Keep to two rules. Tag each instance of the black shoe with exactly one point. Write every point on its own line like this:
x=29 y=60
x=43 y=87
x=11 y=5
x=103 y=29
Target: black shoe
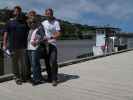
x=18 y=82
x=24 y=81
x=49 y=80
x=27 y=80
x=54 y=83
x=34 y=83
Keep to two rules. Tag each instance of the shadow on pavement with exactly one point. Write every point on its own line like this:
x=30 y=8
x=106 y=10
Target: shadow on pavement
x=66 y=77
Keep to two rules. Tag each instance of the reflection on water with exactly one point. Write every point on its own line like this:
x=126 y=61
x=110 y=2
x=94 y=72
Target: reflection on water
x=70 y=49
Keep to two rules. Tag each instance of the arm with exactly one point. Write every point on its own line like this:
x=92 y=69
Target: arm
x=5 y=35
x=57 y=33
x=35 y=38
x=5 y=40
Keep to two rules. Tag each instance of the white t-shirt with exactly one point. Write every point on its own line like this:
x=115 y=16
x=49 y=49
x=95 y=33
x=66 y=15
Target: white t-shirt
x=33 y=37
x=50 y=28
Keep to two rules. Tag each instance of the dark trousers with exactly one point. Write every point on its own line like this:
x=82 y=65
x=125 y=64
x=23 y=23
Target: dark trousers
x=19 y=64
x=53 y=61
x=50 y=57
x=28 y=64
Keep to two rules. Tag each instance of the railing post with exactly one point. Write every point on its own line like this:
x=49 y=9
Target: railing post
x=1 y=62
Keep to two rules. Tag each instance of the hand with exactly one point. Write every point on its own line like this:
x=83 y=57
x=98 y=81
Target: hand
x=4 y=47
x=45 y=38
x=33 y=43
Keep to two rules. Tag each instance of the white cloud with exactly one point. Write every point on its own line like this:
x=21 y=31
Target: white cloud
x=74 y=9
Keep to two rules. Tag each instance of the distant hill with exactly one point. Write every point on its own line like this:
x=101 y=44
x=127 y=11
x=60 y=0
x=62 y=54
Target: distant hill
x=69 y=30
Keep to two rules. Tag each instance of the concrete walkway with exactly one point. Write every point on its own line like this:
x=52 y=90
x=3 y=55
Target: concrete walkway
x=108 y=78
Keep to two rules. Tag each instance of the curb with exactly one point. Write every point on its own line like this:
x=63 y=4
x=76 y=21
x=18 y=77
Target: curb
x=9 y=77
x=6 y=77
x=75 y=61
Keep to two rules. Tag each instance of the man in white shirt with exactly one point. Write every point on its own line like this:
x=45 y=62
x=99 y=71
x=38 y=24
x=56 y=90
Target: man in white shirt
x=52 y=29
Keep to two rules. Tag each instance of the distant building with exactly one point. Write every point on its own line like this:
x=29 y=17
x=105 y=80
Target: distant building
x=105 y=40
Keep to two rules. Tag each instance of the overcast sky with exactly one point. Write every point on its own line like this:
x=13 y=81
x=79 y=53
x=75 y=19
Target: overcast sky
x=117 y=13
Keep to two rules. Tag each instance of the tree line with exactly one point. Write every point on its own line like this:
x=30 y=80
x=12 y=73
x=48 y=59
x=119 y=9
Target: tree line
x=69 y=30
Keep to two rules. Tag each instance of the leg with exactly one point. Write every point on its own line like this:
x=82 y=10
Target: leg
x=15 y=64
x=35 y=62
x=28 y=65
x=23 y=66
x=47 y=64
x=16 y=67
x=53 y=62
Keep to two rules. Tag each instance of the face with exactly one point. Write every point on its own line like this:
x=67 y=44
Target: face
x=49 y=14
x=32 y=14
x=16 y=12
x=33 y=25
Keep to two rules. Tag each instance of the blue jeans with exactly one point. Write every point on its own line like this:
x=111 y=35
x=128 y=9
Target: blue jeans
x=35 y=64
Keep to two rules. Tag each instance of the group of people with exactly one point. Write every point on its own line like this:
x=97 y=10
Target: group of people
x=29 y=40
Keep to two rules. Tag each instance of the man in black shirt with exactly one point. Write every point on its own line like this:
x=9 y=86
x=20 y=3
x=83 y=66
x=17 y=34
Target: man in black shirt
x=15 y=38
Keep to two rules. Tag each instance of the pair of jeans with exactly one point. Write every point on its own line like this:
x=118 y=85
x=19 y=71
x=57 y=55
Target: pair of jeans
x=35 y=64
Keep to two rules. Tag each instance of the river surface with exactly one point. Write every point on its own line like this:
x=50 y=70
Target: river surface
x=70 y=49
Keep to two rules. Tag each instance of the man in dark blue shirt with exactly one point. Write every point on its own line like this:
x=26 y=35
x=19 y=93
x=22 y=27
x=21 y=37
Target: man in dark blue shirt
x=15 y=38
x=17 y=34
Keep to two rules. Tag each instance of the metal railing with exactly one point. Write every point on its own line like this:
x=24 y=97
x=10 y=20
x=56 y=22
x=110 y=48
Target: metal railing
x=68 y=50
x=1 y=63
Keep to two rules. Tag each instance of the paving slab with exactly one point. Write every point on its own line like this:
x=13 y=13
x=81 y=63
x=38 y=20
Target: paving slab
x=108 y=78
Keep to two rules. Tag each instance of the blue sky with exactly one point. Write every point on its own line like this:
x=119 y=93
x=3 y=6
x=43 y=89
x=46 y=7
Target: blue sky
x=117 y=13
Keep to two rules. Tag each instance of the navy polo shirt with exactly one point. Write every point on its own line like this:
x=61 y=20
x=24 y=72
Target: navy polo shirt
x=17 y=34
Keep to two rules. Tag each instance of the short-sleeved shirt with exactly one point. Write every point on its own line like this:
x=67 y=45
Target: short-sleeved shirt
x=17 y=33
x=50 y=28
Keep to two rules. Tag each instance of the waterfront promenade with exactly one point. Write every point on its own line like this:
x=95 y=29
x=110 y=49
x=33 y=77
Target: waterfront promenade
x=107 y=78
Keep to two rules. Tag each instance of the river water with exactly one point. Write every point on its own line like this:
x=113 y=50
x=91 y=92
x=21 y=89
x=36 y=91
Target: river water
x=70 y=49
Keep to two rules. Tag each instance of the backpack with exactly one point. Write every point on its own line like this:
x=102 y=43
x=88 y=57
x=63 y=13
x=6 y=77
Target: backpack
x=43 y=46
x=41 y=31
